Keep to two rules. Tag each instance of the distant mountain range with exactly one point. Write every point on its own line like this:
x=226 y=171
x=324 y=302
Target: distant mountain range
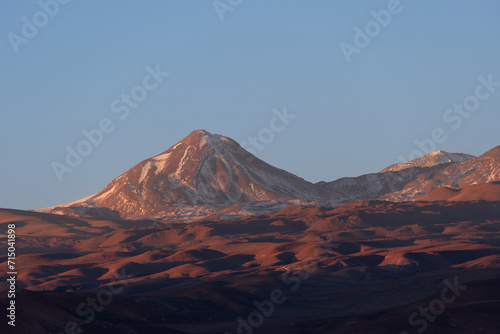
x=208 y=174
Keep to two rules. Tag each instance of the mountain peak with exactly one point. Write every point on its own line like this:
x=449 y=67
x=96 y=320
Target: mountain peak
x=199 y=133
x=201 y=138
x=495 y=151
x=201 y=169
x=430 y=160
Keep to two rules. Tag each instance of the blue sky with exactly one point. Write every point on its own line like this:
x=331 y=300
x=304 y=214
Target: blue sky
x=227 y=76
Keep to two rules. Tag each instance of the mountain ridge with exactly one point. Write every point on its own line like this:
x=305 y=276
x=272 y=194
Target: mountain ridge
x=206 y=173
x=430 y=160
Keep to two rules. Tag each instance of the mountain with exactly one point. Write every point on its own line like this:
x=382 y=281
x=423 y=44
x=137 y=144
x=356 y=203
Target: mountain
x=371 y=186
x=211 y=175
x=391 y=179
x=483 y=169
x=203 y=169
x=430 y=160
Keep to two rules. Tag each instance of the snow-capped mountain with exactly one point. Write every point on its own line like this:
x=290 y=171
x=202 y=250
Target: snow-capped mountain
x=207 y=174
x=203 y=169
x=430 y=160
x=483 y=169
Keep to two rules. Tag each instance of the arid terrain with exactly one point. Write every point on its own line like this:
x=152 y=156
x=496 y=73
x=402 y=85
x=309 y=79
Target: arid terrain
x=356 y=268
x=215 y=242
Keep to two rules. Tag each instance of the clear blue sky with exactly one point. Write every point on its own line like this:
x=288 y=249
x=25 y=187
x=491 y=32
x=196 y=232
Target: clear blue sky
x=228 y=76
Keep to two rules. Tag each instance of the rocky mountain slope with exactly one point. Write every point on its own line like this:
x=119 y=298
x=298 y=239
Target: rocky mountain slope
x=201 y=173
x=430 y=160
x=483 y=169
